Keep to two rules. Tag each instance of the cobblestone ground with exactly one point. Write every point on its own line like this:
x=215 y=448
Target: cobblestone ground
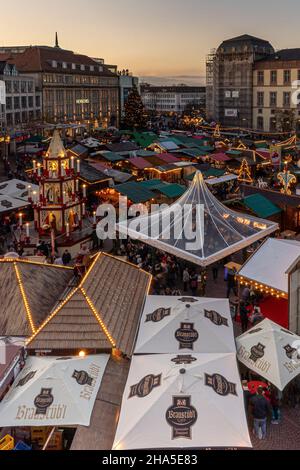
x=285 y=436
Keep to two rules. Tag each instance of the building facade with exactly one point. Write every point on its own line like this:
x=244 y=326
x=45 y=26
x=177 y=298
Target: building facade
x=126 y=83
x=229 y=73
x=75 y=87
x=276 y=92
x=172 y=99
x=21 y=98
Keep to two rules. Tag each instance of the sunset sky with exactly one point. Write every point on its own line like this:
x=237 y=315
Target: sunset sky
x=151 y=38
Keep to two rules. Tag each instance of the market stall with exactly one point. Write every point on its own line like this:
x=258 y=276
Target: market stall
x=185 y=401
x=266 y=273
x=272 y=352
x=182 y=324
x=54 y=391
x=215 y=231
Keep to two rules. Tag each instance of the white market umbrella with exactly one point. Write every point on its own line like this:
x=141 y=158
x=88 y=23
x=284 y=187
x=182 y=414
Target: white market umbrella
x=171 y=325
x=54 y=391
x=271 y=352
x=182 y=401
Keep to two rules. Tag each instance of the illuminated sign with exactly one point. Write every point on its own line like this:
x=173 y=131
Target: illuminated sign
x=82 y=101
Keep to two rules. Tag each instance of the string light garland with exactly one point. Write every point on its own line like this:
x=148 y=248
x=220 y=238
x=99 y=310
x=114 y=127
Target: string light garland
x=26 y=304
x=54 y=313
x=286 y=178
x=98 y=317
x=244 y=173
x=263 y=288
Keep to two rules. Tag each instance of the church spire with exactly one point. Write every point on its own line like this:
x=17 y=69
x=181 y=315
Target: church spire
x=56 y=40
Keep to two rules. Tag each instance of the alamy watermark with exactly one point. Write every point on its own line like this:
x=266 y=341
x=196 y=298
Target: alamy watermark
x=296 y=92
x=158 y=221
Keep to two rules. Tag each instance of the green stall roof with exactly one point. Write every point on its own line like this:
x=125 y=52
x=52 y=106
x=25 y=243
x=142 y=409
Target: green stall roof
x=261 y=206
x=112 y=156
x=135 y=192
x=172 y=190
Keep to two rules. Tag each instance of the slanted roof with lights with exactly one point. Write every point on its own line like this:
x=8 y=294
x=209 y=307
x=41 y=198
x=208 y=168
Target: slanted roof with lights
x=221 y=233
x=28 y=292
x=100 y=314
x=270 y=264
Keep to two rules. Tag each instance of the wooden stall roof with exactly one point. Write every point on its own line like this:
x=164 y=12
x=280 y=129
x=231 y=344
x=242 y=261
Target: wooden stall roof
x=28 y=292
x=102 y=313
x=101 y=432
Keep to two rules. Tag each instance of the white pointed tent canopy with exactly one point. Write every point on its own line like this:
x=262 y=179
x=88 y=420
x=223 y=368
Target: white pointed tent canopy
x=198 y=228
x=184 y=401
x=54 y=391
x=182 y=325
x=272 y=352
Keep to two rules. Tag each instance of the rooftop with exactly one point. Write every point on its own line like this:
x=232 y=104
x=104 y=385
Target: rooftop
x=100 y=314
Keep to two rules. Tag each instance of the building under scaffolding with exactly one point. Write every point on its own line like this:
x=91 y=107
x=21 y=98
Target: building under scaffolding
x=229 y=71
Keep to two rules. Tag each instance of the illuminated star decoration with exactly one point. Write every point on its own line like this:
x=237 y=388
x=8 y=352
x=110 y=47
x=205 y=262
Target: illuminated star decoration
x=217 y=133
x=286 y=178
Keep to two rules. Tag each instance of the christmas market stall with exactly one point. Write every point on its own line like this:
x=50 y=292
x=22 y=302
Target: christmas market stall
x=182 y=324
x=100 y=315
x=49 y=398
x=183 y=401
x=271 y=352
x=266 y=273
x=217 y=231
x=28 y=292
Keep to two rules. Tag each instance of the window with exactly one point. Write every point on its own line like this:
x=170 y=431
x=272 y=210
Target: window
x=38 y=101
x=260 y=123
x=8 y=102
x=24 y=102
x=54 y=64
x=287 y=77
x=16 y=102
x=8 y=86
x=273 y=98
x=30 y=87
x=16 y=87
x=273 y=77
x=260 y=77
x=30 y=101
x=260 y=98
x=273 y=126
x=286 y=99
x=23 y=87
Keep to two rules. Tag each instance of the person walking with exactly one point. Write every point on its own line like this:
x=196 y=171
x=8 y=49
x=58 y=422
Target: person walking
x=231 y=284
x=261 y=408
x=186 y=279
x=244 y=317
x=274 y=399
x=66 y=257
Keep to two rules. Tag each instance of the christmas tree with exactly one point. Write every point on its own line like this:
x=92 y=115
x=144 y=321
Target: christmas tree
x=135 y=117
x=244 y=172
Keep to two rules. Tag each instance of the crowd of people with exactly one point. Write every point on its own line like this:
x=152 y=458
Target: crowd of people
x=171 y=276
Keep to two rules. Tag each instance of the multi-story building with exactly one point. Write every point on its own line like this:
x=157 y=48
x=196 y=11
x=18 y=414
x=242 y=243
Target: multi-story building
x=172 y=99
x=21 y=101
x=230 y=80
x=126 y=83
x=276 y=92
x=75 y=88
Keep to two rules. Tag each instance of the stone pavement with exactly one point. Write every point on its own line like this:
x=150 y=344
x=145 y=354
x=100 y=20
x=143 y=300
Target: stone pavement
x=284 y=436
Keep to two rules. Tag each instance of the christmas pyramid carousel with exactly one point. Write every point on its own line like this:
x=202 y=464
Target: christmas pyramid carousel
x=198 y=228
